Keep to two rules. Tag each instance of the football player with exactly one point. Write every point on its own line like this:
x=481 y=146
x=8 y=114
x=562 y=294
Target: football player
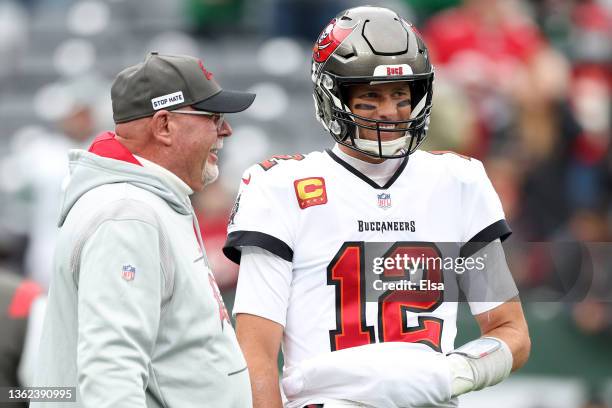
x=325 y=242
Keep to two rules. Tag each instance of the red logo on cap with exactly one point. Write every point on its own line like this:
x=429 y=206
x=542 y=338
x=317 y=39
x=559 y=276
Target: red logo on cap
x=206 y=73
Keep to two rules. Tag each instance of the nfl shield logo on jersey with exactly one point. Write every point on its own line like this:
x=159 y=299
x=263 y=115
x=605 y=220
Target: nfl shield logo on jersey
x=384 y=200
x=128 y=272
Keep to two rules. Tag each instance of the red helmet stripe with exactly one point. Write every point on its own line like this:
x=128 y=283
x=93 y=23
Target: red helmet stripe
x=329 y=39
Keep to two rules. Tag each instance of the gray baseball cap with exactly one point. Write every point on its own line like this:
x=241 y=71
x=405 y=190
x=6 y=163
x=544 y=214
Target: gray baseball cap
x=171 y=82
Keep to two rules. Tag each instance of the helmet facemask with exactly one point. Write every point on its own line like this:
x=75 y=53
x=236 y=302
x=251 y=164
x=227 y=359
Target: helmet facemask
x=344 y=125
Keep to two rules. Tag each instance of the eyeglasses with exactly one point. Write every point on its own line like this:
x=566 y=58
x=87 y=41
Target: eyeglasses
x=218 y=118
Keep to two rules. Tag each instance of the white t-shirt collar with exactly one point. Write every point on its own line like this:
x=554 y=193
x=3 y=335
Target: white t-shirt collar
x=380 y=173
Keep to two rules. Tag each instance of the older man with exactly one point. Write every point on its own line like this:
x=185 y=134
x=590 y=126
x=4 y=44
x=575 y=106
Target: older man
x=135 y=317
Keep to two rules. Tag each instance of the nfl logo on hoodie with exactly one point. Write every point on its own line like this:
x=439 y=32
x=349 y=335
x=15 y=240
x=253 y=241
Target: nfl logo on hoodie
x=128 y=272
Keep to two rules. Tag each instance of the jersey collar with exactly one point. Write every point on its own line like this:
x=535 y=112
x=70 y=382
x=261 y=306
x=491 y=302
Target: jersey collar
x=365 y=178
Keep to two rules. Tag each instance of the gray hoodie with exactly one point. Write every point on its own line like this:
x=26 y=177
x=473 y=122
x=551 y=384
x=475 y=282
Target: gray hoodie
x=135 y=317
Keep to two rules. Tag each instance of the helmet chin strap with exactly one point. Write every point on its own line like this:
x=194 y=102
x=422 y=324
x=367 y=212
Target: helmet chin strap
x=389 y=147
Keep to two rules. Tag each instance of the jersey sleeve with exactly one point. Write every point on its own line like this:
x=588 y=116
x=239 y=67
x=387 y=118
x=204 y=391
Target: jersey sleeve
x=264 y=285
x=491 y=286
x=484 y=219
x=263 y=216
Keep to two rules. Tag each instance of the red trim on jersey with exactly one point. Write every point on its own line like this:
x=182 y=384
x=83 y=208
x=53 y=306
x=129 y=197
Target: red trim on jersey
x=106 y=145
x=24 y=295
x=440 y=152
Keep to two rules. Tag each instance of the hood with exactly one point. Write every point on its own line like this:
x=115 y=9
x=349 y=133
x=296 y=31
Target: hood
x=107 y=161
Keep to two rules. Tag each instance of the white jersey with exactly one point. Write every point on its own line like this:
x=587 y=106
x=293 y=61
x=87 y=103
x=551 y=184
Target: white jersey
x=337 y=229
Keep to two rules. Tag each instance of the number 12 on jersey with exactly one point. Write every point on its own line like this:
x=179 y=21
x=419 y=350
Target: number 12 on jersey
x=347 y=272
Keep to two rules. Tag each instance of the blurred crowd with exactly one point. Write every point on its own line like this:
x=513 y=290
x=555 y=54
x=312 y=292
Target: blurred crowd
x=524 y=86
x=533 y=80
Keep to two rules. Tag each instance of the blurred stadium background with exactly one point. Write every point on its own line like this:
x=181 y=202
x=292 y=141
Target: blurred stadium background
x=524 y=86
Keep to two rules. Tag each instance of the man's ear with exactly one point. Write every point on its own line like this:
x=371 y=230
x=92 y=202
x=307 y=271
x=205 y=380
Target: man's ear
x=161 y=127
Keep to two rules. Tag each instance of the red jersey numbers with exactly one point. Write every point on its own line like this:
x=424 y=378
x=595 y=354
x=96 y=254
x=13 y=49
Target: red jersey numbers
x=393 y=304
x=346 y=272
x=273 y=161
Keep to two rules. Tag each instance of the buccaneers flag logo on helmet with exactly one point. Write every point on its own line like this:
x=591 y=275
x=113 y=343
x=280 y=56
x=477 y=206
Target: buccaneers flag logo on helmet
x=329 y=40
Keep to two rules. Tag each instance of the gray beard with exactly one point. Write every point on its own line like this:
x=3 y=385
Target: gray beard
x=210 y=174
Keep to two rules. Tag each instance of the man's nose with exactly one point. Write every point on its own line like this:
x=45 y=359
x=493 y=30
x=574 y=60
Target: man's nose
x=387 y=109
x=226 y=129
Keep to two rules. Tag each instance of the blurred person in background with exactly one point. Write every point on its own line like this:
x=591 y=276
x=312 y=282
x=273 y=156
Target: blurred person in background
x=585 y=270
x=589 y=167
x=40 y=165
x=518 y=86
x=485 y=46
